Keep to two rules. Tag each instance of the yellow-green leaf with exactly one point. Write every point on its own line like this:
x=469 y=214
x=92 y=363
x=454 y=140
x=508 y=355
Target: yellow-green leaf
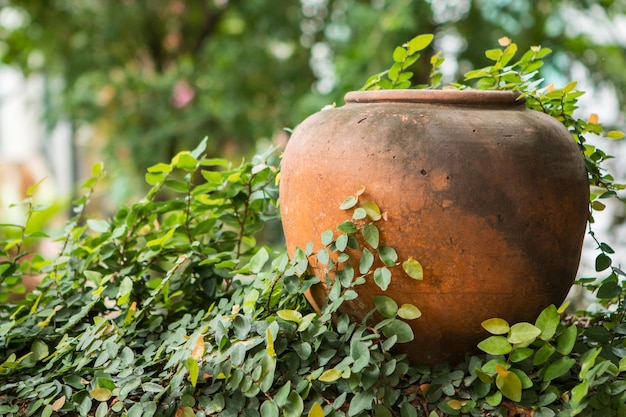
x=130 y=314
x=420 y=42
x=194 y=370
x=101 y=394
x=563 y=307
x=399 y=54
x=494 y=399
x=12 y=243
x=161 y=241
x=372 y=210
x=330 y=375
x=413 y=269
x=495 y=345
x=548 y=322
x=316 y=410
x=270 y=343
x=510 y=385
x=615 y=134
x=567 y=340
x=185 y=411
x=96 y=169
x=126 y=287
x=493 y=54
x=455 y=404
x=290 y=315
x=523 y=333
x=409 y=312
x=588 y=359
x=579 y=392
x=184 y=160
x=496 y=326
x=160 y=167
x=484 y=377
x=305 y=322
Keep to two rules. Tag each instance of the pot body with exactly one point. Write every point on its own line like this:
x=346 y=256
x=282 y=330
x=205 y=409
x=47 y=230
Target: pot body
x=490 y=197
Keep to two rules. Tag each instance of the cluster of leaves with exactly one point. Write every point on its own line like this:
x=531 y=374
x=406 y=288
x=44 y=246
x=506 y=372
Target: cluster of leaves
x=172 y=308
x=561 y=104
x=547 y=351
x=117 y=302
x=521 y=75
x=404 y=56
x=541 y=355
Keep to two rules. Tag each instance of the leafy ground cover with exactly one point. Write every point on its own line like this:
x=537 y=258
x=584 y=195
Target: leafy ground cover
x=173 y=307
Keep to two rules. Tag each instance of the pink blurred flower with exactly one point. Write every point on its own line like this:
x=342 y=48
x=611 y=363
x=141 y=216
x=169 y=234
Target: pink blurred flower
x=182 y=94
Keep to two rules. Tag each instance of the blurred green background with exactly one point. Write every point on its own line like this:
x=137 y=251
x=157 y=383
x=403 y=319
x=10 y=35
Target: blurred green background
x=138 y=80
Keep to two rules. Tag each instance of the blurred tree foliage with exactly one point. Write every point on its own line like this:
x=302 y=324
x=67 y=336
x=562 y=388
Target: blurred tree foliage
x=154 y=76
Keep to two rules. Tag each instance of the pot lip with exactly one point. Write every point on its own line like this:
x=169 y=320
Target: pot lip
x=446 y=96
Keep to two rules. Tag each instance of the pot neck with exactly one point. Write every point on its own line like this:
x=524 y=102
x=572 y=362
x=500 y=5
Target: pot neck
x=462 y=97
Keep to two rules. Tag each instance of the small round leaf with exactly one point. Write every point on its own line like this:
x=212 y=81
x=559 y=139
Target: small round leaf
x=101 y=394
x=413 y=269
x=371 y=235
x=290 y=315
x=316 y=410
x=400 y=329
x=382 y=277
x=330 y=375
x=359 y=214
x=386 y=306
x=523 y=333
x=495 y=345
x=496 y=326
x=366 y=262
x=510 y=386
x=558 y=368
x=372 y=210
x=348 y=203
x=388 y=255
x=409 y=312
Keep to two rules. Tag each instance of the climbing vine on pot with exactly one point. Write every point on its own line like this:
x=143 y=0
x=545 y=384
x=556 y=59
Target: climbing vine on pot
x=522 y=75
x=175 y=307
x=548 y=349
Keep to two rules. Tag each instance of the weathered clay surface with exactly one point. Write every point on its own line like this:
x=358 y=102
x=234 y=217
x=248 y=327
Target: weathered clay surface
x=490 y=197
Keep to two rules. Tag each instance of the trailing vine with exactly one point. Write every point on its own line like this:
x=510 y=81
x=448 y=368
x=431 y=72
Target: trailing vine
x=172 y=307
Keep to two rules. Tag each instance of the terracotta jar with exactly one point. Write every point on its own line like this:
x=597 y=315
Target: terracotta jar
x=489 y=196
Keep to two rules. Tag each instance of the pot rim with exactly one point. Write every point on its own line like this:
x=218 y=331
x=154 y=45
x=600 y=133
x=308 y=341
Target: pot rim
x=447 y=96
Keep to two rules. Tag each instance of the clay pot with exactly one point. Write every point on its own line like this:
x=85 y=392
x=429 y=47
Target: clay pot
x=490 y=197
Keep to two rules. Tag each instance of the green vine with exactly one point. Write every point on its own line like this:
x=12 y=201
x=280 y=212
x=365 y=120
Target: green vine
x=522 y=75
x=173 y=307
x=601 y=340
